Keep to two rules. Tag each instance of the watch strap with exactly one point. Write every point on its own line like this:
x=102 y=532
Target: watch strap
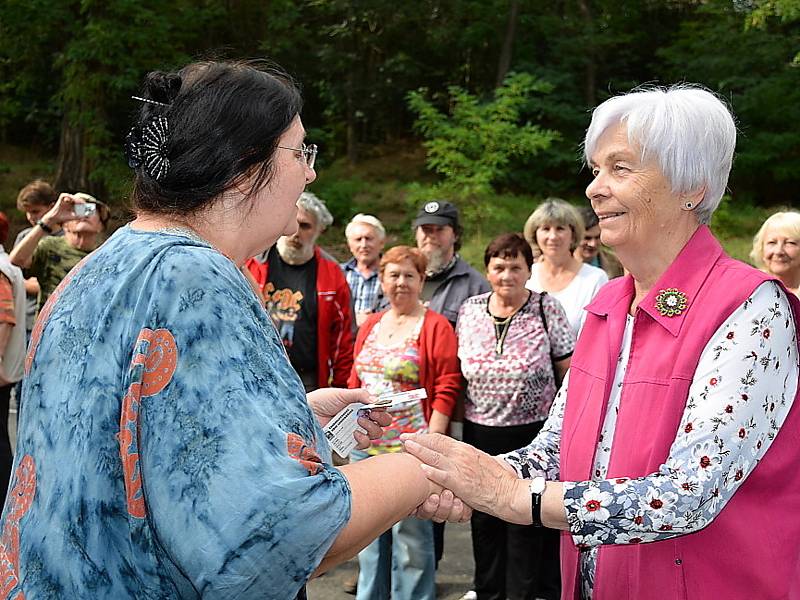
x=45 y=227
x=536 y=509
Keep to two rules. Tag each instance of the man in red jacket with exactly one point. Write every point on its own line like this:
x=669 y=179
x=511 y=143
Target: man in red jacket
x=308 y=298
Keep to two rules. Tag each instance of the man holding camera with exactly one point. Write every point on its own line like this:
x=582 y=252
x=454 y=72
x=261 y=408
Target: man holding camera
x=48 y=257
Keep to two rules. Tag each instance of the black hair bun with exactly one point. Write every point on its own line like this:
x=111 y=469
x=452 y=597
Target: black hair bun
x=162 y=87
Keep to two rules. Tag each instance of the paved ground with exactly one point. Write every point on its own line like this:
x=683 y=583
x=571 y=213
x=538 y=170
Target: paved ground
x=452 y=580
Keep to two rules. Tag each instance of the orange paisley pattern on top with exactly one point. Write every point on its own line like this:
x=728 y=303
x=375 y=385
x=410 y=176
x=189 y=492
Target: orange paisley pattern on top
x=18 y=503
x=304 y=453
x=156 y=355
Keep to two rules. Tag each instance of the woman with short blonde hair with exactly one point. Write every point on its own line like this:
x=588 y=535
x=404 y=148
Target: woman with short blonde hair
x=776 y=248
x=554 y=231
x=554 y=210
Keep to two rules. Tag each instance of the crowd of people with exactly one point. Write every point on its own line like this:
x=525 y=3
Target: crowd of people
x=178 y=375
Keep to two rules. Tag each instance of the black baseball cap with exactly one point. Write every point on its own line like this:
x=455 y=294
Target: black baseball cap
x=437 y=212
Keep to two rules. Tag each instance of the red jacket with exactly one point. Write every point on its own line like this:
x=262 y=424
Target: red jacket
x=334 y=319
x=439 y=369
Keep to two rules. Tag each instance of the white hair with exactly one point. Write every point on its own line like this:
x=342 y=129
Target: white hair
x=686 y=129
x=362 y=219
x=316 y=207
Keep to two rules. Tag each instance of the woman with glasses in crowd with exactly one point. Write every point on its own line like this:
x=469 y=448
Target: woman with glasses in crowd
x=169 y=449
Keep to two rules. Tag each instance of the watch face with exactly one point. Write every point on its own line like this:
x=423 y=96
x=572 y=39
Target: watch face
x=537 y=485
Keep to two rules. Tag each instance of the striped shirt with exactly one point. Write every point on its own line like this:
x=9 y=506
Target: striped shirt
x=366 y=291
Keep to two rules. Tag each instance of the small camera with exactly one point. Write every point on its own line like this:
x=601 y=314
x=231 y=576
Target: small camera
x=85 y=209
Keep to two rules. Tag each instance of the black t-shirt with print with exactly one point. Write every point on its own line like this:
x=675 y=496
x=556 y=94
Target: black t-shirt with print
x=291 y=300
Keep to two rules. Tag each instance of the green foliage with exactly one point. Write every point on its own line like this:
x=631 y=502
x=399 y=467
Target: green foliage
x=473 y=144
x=338 y=196
x=787 y=11
x=738 y=219
x=70 y=66
x=752 y=70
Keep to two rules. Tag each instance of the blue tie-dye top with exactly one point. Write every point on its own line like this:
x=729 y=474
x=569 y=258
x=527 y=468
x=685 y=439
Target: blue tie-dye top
x=165 y=449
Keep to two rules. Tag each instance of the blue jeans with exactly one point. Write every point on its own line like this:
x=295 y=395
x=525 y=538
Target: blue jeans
x=400 y=564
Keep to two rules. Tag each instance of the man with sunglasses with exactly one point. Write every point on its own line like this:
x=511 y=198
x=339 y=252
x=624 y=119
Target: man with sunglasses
x=308 y=298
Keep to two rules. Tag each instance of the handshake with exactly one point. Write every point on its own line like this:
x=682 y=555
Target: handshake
x=467 y=479
x=460 y=478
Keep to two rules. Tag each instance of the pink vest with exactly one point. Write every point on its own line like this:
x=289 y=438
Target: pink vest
x=751 y=548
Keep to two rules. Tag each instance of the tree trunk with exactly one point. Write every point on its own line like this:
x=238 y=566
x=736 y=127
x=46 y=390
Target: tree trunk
x=504 y=64
x=71 y=169
x=590 y=75
x=352 y=137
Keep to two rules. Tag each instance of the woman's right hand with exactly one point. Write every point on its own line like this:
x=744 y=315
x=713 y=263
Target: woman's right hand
x=444 y=507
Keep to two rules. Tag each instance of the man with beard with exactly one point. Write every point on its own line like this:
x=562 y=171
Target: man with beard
x=308 y=299
x=449 y=279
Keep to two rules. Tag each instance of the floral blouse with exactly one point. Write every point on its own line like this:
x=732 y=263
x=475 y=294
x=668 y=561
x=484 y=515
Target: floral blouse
x=517 y=385
x=738 y=400
x=383 y=369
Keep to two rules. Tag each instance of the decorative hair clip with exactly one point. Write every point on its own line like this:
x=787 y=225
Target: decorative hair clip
x=148 y=101
x=150 y=149
x=153 y=147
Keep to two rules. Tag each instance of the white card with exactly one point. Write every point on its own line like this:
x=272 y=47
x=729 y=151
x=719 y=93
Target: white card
x=340 y=429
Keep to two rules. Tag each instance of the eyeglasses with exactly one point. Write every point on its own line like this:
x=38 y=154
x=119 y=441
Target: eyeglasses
x=309 y=153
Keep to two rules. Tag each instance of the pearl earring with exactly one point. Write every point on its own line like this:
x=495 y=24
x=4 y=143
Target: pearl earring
x=688 y=206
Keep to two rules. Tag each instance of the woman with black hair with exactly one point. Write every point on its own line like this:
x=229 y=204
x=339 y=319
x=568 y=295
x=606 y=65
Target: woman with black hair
x=169 y=450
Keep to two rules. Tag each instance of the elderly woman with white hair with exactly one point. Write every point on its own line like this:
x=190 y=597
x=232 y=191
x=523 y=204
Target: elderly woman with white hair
x=776 y=249
x=669 y=458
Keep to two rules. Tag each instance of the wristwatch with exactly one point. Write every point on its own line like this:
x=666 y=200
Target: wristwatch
x=45 y=227
x=536 y=488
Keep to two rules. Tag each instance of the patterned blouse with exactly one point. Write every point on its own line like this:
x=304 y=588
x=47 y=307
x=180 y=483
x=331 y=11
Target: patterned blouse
x=738 y=400
x=167 y=449
x=517 y=385
x=7 y=314
x=392 y=368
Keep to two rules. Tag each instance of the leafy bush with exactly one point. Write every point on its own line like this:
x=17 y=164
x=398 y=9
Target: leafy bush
x=338 y=195
x=472 y=144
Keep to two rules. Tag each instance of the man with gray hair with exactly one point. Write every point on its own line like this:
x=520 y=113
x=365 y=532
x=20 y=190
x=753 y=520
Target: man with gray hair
x=366 y=238
x=308 y=299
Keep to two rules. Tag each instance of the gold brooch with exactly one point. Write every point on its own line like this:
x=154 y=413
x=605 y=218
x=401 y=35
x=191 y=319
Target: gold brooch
x=671 y=302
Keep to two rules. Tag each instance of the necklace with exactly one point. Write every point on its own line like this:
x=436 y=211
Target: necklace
x=502 y=325
x=191 y=234
x=183 y=231
x=399 y=322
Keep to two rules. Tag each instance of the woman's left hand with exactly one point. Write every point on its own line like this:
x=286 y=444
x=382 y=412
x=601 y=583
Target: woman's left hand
x=327 y=402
